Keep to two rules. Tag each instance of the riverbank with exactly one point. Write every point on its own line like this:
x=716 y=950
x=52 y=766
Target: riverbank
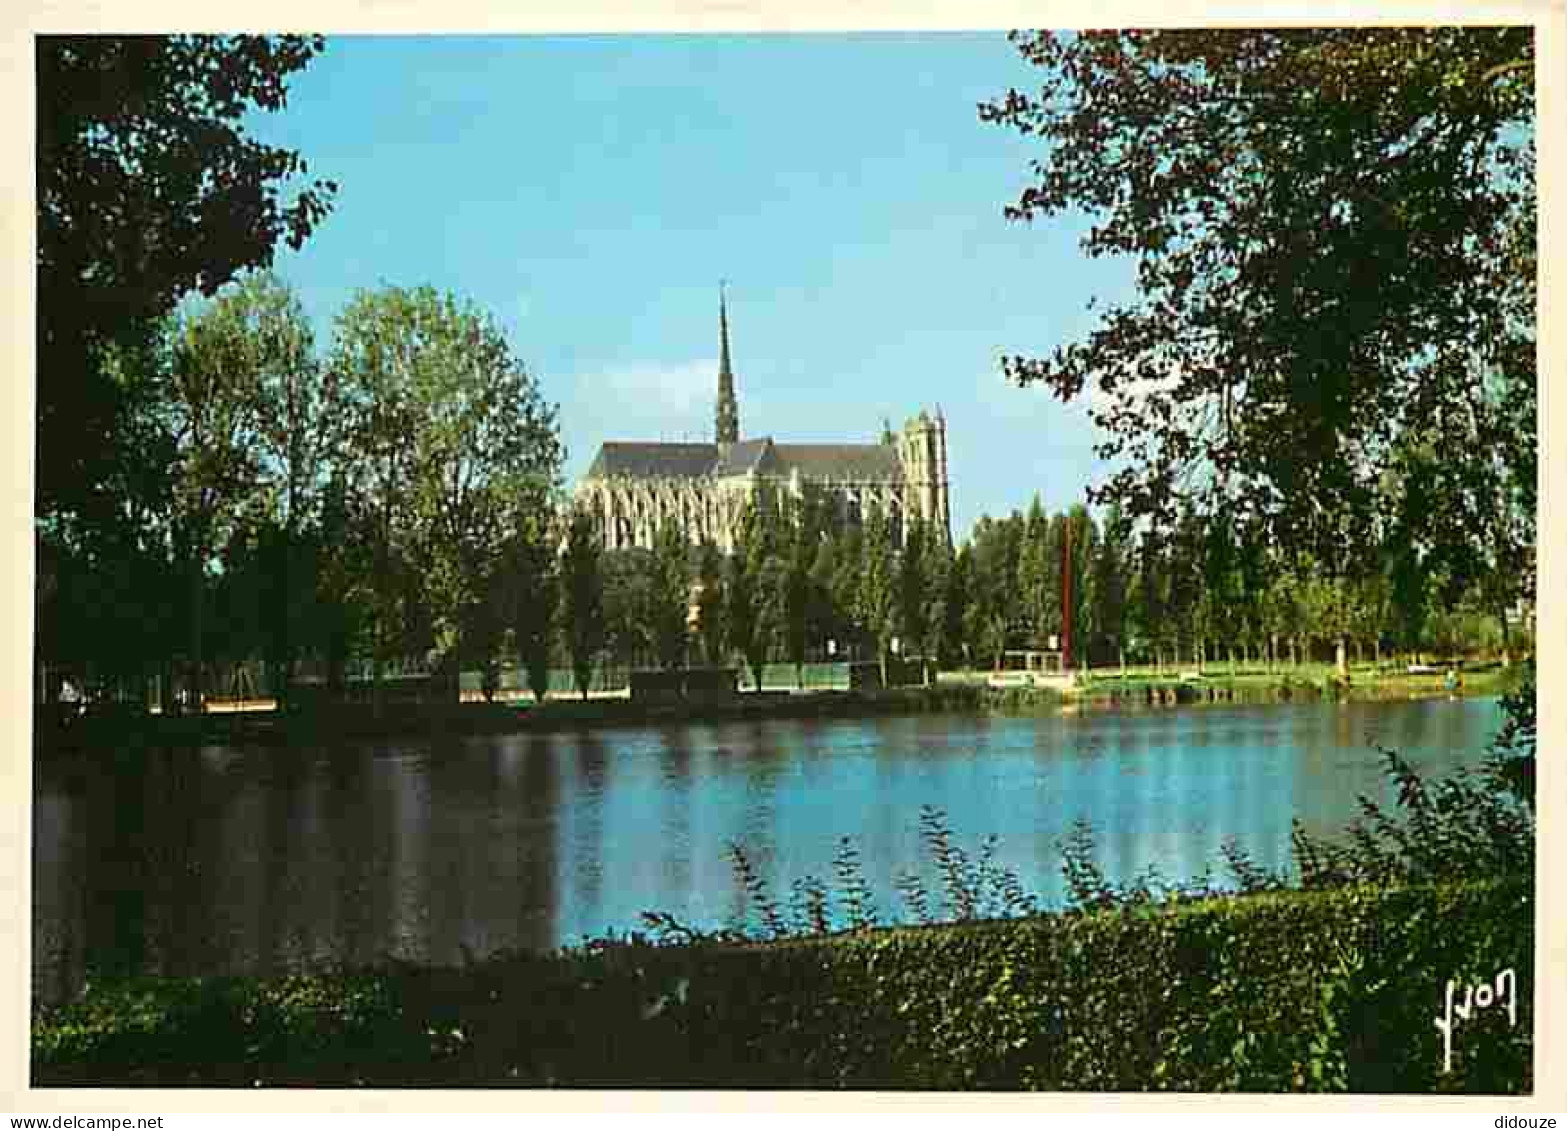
x=1277 y=992
x=1364 y=684
x=128 y=730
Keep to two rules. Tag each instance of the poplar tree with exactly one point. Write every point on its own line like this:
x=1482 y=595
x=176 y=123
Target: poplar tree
x=877 y=596
x=582 y=598
x=671 y=597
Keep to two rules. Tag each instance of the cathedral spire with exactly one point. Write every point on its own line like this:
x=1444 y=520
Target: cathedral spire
x=728 y=409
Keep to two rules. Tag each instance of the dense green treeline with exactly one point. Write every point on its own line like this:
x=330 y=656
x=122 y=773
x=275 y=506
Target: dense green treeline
x=396 y=503
x=385 y=501
x=1197 y=591
x=801 y=588
x=1320 y=399
x=215 y=487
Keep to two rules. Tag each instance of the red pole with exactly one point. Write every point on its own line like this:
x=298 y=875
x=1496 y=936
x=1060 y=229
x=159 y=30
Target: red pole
x=1066 y=597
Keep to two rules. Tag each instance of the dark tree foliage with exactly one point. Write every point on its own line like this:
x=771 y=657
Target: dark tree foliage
x=1515 y=746
x=745 y=590
x=582 y=619
x=533 y=575
x=710 y=602
x=959 y=595
x=148 y=188
x=876 y=602
x=1334 y=238
x=912 y=584
x=671 y=596
x=795 y=597
x=629 y=579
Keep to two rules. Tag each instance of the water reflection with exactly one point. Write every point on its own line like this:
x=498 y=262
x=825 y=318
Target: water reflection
x=583 y=835
x=259 y=859
x=674 y=836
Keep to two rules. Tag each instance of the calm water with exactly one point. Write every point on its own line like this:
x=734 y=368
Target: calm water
x=259 y=859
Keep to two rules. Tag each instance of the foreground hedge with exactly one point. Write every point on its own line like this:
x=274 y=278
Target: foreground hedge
x=1278 y=992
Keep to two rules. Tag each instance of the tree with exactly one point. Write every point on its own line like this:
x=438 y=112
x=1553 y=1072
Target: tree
x=1473 y=520
x=457 y=452
x=1333 y=231
x=1371 y=607
x=1182 y=561
x=1109 y=586
x=823 y=620
x=341 y=615
x=1219 y=607
x=1039 y=575
x=744 y=593
x=1151 y=603
x=534 y=584
x=1056 y=564
x=772 y=585
x=109 y=595
x=990 y=630
x=281 y=579
x=913 y=591
x=1284 y=608
x=710 y=602
x=214 y=409
x=1081 y=547
x=848 y=550
x=148 y=188
x=935 y=636
x=1254 y=567
x=582 y=601
x=795 y=597
x=296 y=413
x=991 y=616
x=378 y=419
x=630 y=605
x=671 y=605
x=877 y=597
x=959 y=584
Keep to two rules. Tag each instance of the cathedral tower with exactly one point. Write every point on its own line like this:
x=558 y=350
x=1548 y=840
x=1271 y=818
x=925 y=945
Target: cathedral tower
x=922 y=454
x=728 y=430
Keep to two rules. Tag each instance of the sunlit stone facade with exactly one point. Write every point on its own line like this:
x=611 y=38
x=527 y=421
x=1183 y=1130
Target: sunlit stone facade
x=633 y=488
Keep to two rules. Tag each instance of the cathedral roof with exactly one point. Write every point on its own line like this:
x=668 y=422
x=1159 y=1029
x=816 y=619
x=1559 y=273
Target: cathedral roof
x=855 y=462
x=653 y=460
x=745 y=456
x=840 y=461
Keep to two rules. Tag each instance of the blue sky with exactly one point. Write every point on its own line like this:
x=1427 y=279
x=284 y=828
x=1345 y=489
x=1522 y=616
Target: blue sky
x=590 y=192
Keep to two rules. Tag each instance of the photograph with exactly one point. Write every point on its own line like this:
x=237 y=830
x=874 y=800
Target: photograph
x=835 y=561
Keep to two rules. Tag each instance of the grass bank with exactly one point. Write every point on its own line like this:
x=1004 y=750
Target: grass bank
x=1218 y=684
x=126 y=730
x=1284 y=991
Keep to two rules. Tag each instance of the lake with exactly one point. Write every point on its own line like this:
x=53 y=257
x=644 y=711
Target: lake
x=261 y=859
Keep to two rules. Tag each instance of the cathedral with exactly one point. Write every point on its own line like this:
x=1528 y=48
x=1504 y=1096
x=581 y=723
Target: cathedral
x=633 y=488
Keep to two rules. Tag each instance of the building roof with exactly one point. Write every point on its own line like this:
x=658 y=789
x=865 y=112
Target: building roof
x=854 y=462
x=745 y=457
x=840 y=461
x=653 y=460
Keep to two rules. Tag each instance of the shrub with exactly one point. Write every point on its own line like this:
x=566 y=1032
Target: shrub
x=1473 y=824
x=1283 y=991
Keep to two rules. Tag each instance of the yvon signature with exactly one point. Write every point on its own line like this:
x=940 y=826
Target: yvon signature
x=1481 y=996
